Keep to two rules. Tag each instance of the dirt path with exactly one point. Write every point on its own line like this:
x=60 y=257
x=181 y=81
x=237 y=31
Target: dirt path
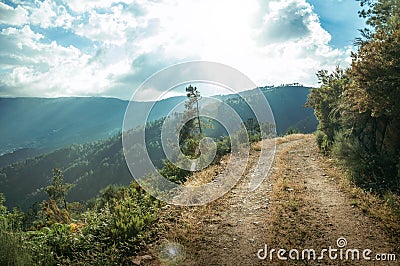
x=297 y=207
x=317 y=213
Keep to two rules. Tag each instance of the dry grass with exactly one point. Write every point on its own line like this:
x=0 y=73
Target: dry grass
x=256 y=146
x=211 y=172
x=186 y=225
x=208 y=174
x=182 y=225
x=290 y=137
x=386 y=211
x=288 y=205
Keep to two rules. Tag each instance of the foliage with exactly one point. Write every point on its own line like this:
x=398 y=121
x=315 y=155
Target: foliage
x=173 y=172
x=223 y=146
x=253 y=130
x=292 y=130
x=191 y=132
x=132 y=215
x=13 y=250
x=108 y=234
x=358 y=108
x=328 y=101
x=322 y=142
x=193 y=99
x=57 y=190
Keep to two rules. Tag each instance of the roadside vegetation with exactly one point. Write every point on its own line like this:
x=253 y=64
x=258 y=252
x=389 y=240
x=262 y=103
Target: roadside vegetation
x=359 y=115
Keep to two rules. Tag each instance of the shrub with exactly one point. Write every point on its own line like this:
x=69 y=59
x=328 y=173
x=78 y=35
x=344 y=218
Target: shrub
x=368 y=170
x=224 y=146
x=174 y=173
x=15 y=249
x=12 y=250
x=107 y=234
x=323 y=143
x=292 y=130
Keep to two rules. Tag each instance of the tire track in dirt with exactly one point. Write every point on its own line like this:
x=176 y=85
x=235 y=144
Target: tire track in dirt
x=326 y=211
x=230 y=230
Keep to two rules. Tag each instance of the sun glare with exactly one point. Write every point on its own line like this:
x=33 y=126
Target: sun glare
x=208 y=28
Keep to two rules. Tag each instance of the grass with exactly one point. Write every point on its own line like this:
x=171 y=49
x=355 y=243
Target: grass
x=289 y=208
x=187 y=226
x=12 y=249
x=385 y=210
x=291 y=137
x=181 y=225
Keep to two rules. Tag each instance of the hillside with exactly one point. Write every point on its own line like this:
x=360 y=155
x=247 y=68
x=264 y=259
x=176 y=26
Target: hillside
x=91 y=167
x=88 y=167
x=42 y=123
x=34 y=126
x=288 y=108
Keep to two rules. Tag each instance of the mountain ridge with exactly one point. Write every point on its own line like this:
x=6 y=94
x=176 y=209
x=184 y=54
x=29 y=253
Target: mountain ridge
x=96 y=159
x=91 y=118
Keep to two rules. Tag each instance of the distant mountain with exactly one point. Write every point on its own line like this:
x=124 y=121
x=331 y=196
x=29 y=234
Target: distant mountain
x=42 y=123
x=287 y=104
x=33 y=126
x=45 y=123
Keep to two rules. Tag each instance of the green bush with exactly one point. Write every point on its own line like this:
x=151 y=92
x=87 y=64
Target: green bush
x=292 y=130
x=12 y=249
x=131 y=216
x=174 y=173
x=224 y=146
x=323 y=143
x=368 y=170
x=352 y=154
x=107 y=234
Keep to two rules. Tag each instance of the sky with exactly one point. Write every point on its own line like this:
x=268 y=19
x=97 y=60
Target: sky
x=108 y=48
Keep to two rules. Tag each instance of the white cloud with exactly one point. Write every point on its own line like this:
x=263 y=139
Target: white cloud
x=289 y=44
x=66 y=72
x=13 y=16
x=63 y=18
x=43 y=14
x=88 y=5
x=109 y=28
x=47 y=14
x=287 y=20
x=273 y=42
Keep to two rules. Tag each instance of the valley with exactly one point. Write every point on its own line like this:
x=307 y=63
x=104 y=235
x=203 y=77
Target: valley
x=81 y=136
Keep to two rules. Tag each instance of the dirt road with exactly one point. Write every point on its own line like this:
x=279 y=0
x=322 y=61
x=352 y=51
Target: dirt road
x=298 y=207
